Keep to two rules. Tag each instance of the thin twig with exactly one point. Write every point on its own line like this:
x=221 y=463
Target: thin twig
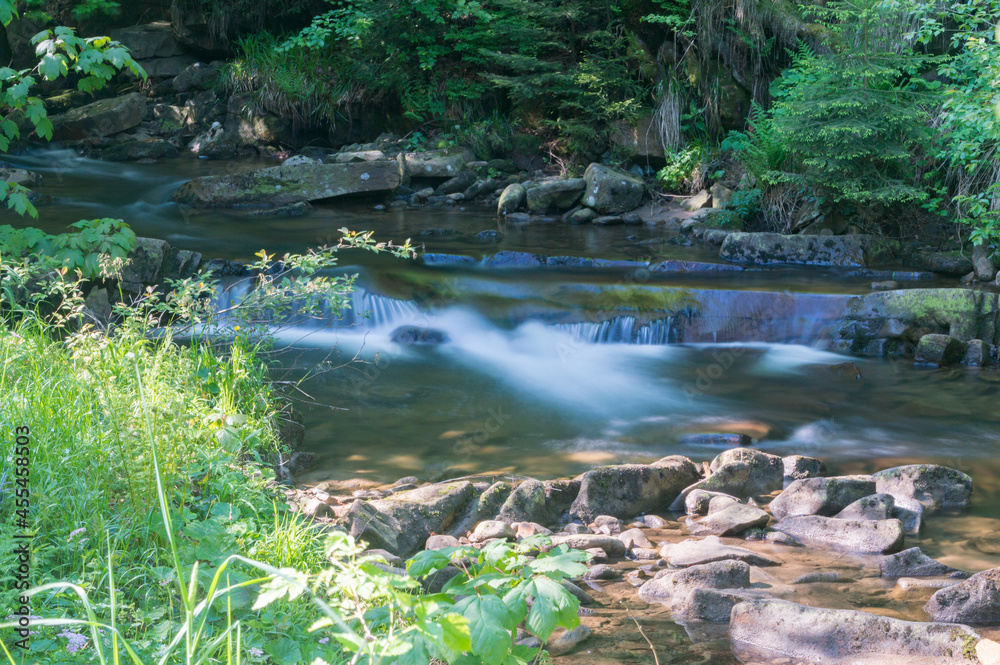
x=656 y=659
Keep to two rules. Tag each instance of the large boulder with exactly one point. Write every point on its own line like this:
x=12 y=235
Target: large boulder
x=512 y=199
x=283 y=185
x=874 y=507
x=199 y=76
x=525 y=504
x=437 y=164
x=246 y=123
x=821 y=496
x=611 y=191
x=146 y=264
x=485 y=507
x=933 y=486
x=421 y=512
x=976 y=600
x=99 y=119
x=554 y=195
x=861 y=536
x=727 y=574
x=773 y=629
x=627 y=490
x=731 y=521
x=845 y=251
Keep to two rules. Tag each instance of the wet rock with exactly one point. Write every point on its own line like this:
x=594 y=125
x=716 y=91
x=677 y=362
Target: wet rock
x=490 y=530
x=982 y=263
x=694 y=552
x=709 y=604
x=602 y=571
x=456 y=184
x=913 y=563
x=559 y=496
x=631 y=489
x=480 y=188
x=977 y=353
x=952 y=264
x=939 y=350
x=608 y=220
x=525 y=504
x=779 y=538
x=716 y=439
x=99 y=119
x=697 y=502
x=874 y=507
x=740 y=472
x=773 y=248
x=731 y=521
x=581 y=216
x=818 y=578
x=976 y=600
x=862 y=536
x=485 y=507
x=635 y=538
x=720 y=503
x=654 y=522
x=821 y=496
x=610 y=191
x=512 y=200
x=366 y=523
x=199 y=76
x=138 y=149
x=408 y=335
x=20 y=177
x=294 y=210
x=554 y=195
x=585 y=541
x=421 y=512
x=564 y=641
x=769 y=629
x=282 y=185
x=797 y=467
x=935 y=487
x=489 y=236
x=910 y=513
x=578 y=593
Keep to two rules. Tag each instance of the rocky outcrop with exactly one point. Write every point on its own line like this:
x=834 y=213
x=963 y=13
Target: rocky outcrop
x=554 y=195
x=770 y=629
x=628 y=490
x=283 y=185
x=99 y=119
x=774 y=248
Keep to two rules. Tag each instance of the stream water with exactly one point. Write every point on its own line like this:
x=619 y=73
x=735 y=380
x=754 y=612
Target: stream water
x=535 y=378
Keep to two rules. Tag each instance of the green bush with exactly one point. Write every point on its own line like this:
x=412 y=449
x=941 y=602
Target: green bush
x=682 y=168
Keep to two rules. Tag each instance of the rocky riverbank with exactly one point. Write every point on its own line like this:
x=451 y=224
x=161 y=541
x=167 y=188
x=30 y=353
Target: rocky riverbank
x=749 y=545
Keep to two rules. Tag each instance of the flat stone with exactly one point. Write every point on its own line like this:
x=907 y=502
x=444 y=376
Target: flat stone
x=731 y=521
x=99 y=119
x=862 y=536
x=693 y=552
x=874 y=507
x=774 y=248
x=725 y=574
x=819 y=578
x=770 y=629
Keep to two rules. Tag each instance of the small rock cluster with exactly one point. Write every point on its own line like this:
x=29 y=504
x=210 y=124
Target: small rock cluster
x=787 y=515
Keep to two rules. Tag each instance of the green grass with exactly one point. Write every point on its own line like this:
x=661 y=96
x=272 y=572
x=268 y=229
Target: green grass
x=211 y=418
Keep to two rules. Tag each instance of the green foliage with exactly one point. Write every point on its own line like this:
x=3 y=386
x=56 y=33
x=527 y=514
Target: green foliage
x=745 y=203
x=80 y=10
x=853 y=118
x=761 y=150
x=92 y=249
x=682 y=168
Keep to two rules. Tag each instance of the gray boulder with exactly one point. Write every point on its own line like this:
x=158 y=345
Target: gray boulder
x=525 y=504
x=693 y=552
x=99 y=119
x=628 y=490
x=912 y=563
x=145 y=265
x=939 y=350
x=731 y=521
x=727 y=574
x=697 y=502
x=283 y=185
x=554 y=195
x=148 y=40
x=874 y=507
x=610 y=191
x=976 y=600
x=483 y=508
x=436 y=164
x=846 y=251
x=512 y=199
x=199 y=76
x=821 y=496
x=933 y=486
x=771 y=629
x=611 y=545
x=421 y=512
x=861 y=536
x=739 y=472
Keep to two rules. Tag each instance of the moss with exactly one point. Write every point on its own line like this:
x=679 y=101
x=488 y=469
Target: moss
x=647 y=299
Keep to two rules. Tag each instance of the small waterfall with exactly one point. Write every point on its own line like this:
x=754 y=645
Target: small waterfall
x=655 y=332
x=619 y=330
x=381 y=310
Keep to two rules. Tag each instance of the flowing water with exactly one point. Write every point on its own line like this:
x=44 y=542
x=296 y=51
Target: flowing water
x=548 y=371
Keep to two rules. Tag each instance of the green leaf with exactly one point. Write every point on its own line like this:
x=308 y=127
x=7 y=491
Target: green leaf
x=490 y=623
x=284 y=651
x=427 y=562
